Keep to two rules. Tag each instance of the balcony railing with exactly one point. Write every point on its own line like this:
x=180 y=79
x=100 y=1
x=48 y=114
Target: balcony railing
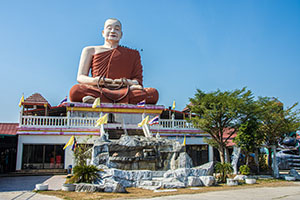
x=77 y=122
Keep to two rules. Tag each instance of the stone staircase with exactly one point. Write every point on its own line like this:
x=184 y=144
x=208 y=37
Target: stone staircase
x=159 y=181
x=153 y=180
x=155 y=183
x=39 y=172
x=287 y=160
x=294 y=162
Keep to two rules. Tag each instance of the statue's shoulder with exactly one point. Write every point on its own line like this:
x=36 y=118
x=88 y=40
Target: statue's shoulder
x=95 y=49
x=129 y=50
x=89 y=49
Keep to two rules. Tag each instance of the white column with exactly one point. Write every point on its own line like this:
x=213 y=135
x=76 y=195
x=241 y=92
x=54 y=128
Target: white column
x=19 y=153
x=235 y=158
x=173 y=118
x=69 y=157
x=20 y=119
x=210 y=153
x=68 y=119
x=274 y=163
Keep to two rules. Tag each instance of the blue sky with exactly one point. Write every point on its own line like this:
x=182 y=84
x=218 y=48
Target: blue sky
x=186 y=45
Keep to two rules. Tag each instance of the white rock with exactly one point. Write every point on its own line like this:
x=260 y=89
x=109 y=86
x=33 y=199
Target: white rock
x=175 y=184
x=150 y=187
x=206 y=169
x=171 y=179
x=150 y=183
x=289 y=178
x=240 y=177
x=180 y=174
x=41 y=187
x=193 y=188
x=295 y=174
x=87 y=187
x=207 y=180
x=114 y=188
x=134 y=175
x=181 y=161
x=194 y=181
x=168 y=190
x=231 y=182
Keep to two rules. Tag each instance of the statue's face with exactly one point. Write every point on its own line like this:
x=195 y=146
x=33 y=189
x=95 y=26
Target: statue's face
x=112 y=30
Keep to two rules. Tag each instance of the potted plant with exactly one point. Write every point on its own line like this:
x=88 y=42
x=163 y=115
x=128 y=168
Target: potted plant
x=41 y=187
x=250 y=180
x=68 y=187
x=85 y=174
x=245 y=170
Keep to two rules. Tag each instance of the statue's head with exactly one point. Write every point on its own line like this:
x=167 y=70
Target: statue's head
x=112 y=30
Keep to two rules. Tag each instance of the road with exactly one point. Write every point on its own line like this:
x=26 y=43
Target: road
x=20 y=188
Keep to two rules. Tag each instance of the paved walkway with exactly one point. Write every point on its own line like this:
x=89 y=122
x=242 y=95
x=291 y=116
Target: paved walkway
x=20 y=187
x=25 y=195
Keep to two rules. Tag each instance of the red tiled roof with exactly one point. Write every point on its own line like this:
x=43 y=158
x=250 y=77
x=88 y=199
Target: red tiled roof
x=226 y=134
x=36 y=98
x=186 y=109
x=8 y=128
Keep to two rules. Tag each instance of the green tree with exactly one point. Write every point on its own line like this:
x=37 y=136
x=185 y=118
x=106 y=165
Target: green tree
x=248 y=138
x=276 y=122
x=220 y=114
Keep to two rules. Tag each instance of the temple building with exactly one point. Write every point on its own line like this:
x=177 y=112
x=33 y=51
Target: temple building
x=8 y=147
x=44 y=130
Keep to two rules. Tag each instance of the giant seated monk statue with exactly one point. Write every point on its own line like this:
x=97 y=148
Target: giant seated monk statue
x=117 y=74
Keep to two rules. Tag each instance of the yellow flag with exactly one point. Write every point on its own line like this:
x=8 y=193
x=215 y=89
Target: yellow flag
x=101 y=120
x=184 y=141
x=96 y=103
x=145 y=121
x=173 y=106
x=70 y=142
x=21 y=100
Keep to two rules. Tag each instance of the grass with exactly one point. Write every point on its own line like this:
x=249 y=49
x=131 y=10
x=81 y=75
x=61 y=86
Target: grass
x=141 y=193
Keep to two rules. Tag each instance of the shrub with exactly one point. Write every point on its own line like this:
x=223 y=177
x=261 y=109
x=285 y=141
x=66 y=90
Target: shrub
x=82 y=152
x=84 y=174
x=244 y=169
x=224 y=169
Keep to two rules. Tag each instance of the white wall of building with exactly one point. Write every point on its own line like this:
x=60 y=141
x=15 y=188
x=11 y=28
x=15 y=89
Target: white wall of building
x=189 y=140
x=69 y=157
x=48 y=139
x=195 y=141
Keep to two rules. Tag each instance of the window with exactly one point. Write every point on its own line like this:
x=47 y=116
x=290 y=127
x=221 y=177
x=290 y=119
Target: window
x=43 y=156
x=198 y=153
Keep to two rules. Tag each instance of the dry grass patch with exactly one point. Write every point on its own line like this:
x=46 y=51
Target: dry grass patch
x=134 y=193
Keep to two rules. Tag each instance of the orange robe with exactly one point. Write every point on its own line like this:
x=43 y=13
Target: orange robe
x=118 y=63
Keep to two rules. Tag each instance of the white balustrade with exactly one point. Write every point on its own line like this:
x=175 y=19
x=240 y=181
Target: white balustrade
x=80 y=122
x=175 y=124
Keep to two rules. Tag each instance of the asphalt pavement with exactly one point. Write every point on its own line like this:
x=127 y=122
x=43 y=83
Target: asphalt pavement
x=20 y=188
x=264 y=193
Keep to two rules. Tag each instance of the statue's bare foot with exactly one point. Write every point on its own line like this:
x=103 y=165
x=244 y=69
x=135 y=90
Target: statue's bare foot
x=88 y=99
